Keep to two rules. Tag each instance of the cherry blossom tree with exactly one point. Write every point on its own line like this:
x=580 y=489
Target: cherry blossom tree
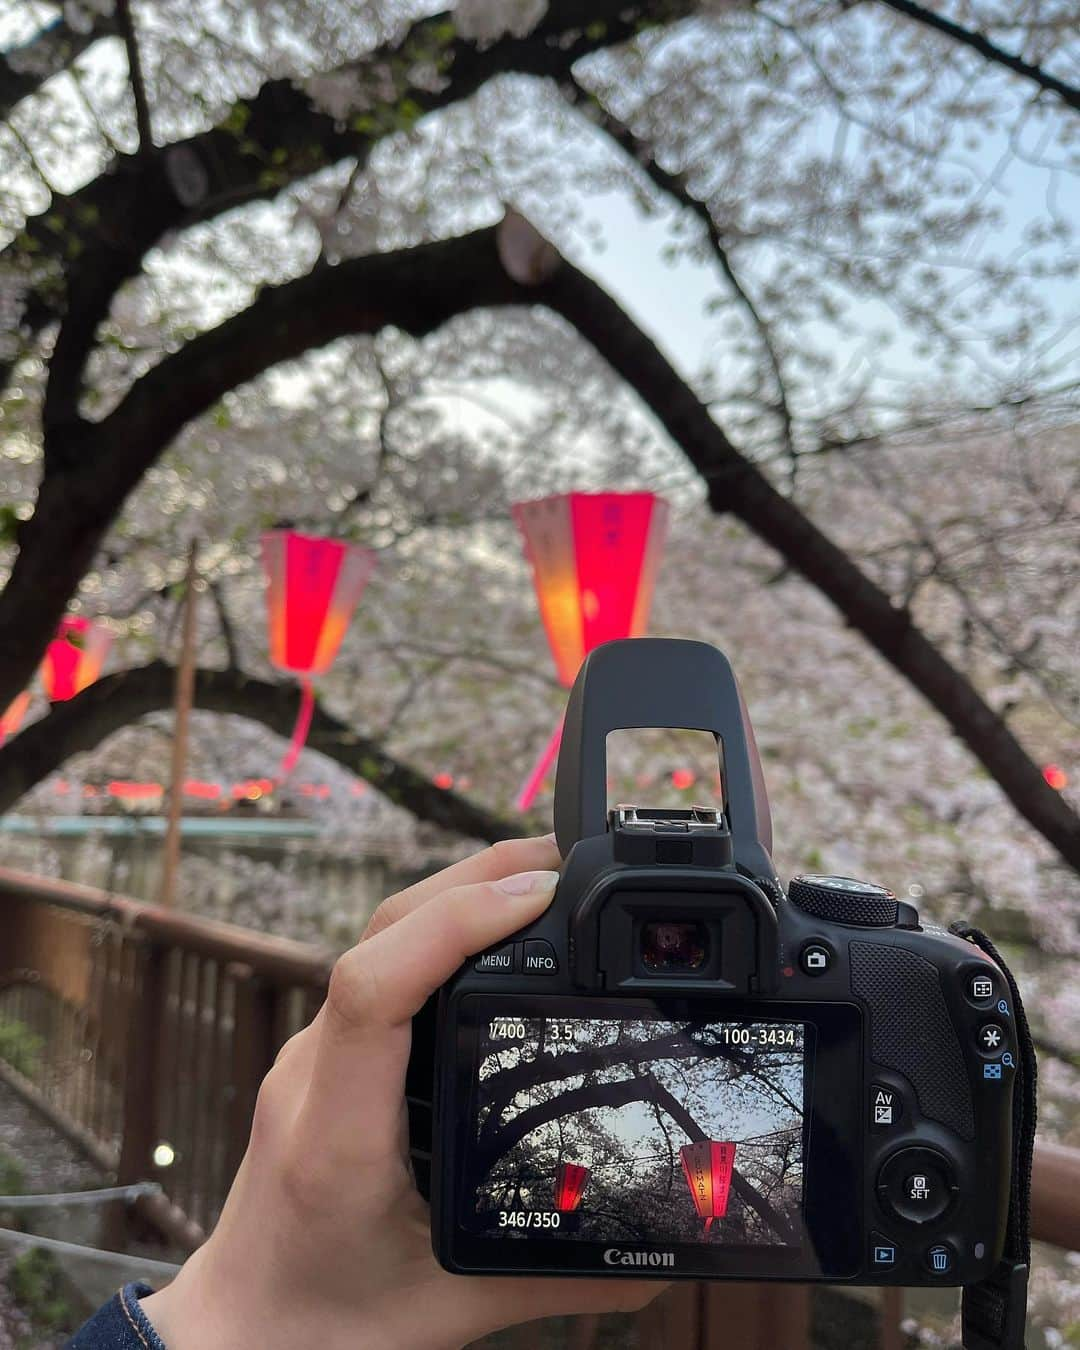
x=303 y=183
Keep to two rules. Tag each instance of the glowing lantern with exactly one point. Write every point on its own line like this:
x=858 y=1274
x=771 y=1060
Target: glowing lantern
x=570 y=1181
x=708 y=1167
x=594 y=558
x=74 y=658
x=1056 y=776
x=12 y=718
x=134 y=792
x=314 y=585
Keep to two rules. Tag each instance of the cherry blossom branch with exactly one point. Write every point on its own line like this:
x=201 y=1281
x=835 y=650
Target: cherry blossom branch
x=674 y=185
x=117 y=700
x=135 y=75
x=24 y=69
x=990 y=51
x=419 y=290
x=262 y=146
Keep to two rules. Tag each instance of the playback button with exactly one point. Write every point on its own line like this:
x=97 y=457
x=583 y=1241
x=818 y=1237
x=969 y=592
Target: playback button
x=883 y=1252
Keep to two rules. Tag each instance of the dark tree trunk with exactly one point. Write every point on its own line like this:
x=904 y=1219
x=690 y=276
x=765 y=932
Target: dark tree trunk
x=117 y=700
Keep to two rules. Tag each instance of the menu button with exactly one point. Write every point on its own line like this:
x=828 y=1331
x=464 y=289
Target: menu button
x=498 y=962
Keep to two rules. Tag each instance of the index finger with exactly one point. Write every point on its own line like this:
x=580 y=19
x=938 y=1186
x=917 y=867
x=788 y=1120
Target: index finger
x=502 y=859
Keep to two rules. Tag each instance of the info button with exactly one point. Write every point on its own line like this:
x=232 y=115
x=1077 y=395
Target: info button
x=539 y=959
x=498 y=962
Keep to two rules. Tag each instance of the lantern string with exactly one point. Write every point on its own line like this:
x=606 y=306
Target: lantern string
x=300 y=730
x=531 y=786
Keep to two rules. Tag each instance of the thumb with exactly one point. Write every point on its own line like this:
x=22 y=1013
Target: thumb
x=381 y=983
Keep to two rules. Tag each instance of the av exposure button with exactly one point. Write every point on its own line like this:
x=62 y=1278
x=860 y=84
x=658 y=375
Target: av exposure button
x=886 y=1108
x=815 y=958
x=916 y=1185
x=539 y=959
x=498 y=962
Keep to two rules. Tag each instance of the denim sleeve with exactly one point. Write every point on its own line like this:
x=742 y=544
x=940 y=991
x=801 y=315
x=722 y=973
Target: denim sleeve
x=120 y=1325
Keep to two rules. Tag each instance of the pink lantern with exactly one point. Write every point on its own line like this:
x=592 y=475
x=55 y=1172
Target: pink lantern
x=594 y=557
x=11 y=719
x=314 y=586
x=74 y=658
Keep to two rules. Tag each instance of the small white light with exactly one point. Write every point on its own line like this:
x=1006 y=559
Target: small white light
x=164 y=1155
x=915 y=890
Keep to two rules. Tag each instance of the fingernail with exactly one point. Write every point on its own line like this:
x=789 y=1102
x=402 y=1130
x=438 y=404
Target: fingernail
x=527 y=883
x=550 y=839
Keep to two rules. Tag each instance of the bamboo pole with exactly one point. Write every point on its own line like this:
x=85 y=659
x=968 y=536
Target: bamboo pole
x=185 y=692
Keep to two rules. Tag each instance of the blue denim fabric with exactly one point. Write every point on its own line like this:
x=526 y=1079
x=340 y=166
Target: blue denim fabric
x=120 y=1325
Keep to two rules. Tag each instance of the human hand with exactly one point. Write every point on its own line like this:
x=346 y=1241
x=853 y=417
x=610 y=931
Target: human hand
x=324 y=1240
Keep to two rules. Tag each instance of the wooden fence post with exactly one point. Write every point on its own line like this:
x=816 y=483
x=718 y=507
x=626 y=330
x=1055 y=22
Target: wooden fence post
x=756 y=1317
x=255 y=1013
x=144 y=1009
x=892 y=1314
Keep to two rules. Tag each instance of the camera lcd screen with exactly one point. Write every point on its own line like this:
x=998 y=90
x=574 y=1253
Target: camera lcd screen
x=637 y=1129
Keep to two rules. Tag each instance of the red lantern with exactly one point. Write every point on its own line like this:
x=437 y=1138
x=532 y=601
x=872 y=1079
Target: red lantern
x=74 y=658
x=314 y=585
x=1056 y=777
x=11 y=720
x=570 y=1181
x=134 y=792
x=708 y=1167
x=594 y=557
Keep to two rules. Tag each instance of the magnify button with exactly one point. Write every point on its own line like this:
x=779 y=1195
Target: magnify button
x=1008 y=1060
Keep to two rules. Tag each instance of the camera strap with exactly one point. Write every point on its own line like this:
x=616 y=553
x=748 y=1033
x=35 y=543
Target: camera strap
x=994 y=1311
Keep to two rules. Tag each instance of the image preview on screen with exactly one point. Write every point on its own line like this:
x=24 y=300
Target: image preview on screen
x=606 y=1128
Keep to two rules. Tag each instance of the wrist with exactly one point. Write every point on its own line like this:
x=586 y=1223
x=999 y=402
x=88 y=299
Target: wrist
x=196 y=1311
x=186 y=1315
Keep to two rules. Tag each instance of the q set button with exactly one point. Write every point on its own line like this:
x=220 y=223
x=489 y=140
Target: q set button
x=916 y=1185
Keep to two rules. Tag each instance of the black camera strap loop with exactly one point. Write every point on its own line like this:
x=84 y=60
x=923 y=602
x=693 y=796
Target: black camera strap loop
x=994 y=1311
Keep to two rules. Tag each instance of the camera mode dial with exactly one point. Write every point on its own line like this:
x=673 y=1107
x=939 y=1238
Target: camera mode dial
x=860 y=904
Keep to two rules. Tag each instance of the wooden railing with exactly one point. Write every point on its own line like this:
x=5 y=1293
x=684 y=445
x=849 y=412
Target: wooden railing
x=143 y=1034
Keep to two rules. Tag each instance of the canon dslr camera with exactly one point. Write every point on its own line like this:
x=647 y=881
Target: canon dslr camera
x=682 y=1070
